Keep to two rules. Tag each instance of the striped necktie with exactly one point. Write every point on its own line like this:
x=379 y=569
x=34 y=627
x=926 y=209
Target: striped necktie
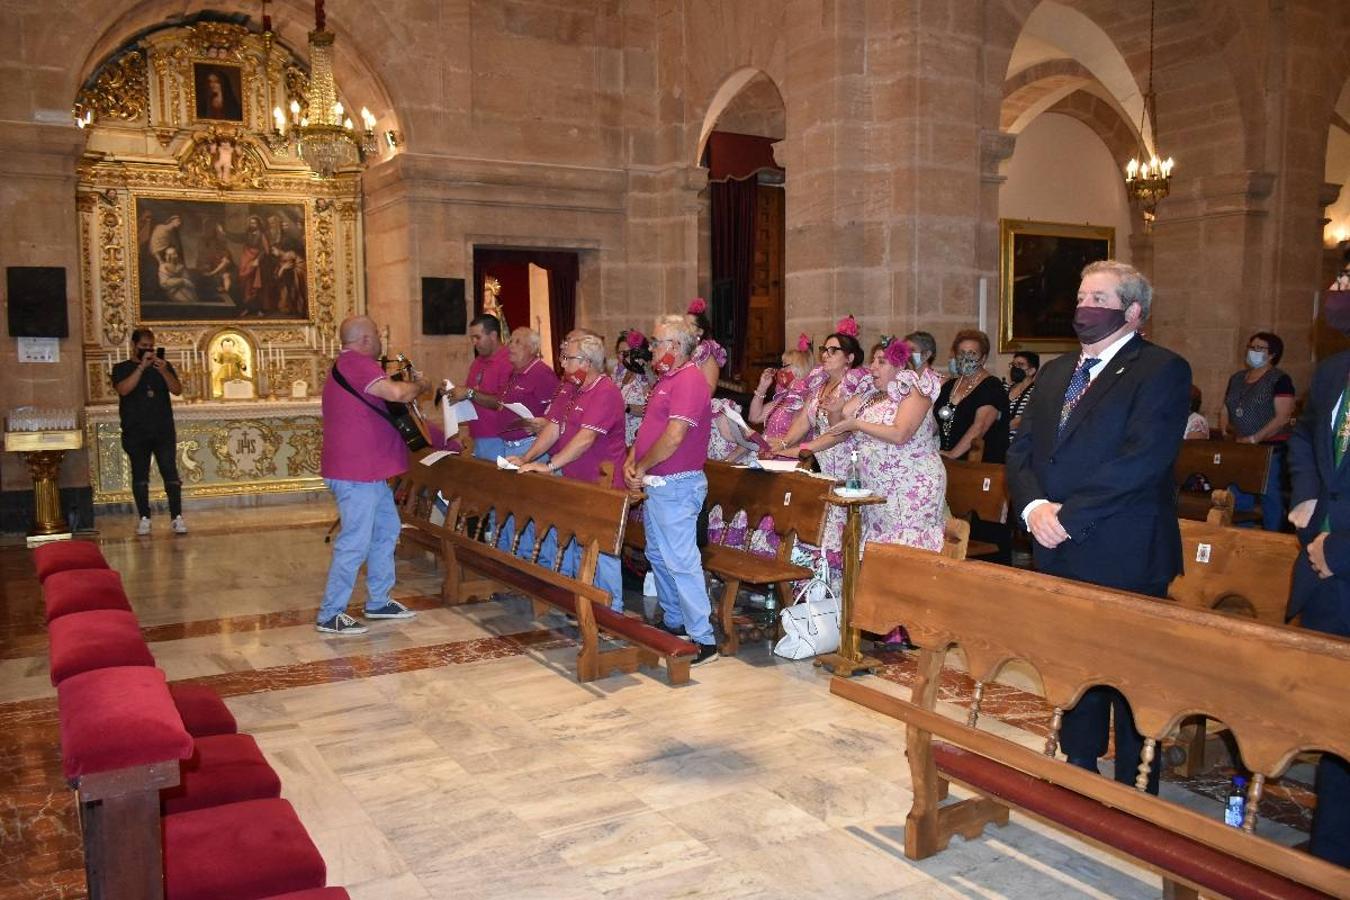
x=1078 y=386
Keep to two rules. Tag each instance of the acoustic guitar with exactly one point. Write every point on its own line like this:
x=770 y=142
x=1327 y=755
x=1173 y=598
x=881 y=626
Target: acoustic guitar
x=406 y=417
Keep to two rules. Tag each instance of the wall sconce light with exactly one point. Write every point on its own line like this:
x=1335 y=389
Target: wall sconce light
x=394 y=139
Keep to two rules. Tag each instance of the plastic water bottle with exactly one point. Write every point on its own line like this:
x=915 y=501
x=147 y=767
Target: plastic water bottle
x=1235 y=807
x=854 y=482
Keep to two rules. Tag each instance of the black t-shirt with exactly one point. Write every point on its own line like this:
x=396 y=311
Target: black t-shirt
x=988 y=392
x=147 y=407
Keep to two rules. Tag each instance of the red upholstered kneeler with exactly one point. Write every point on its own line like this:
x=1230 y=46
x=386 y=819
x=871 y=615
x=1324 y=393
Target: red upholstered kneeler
x=226 y=768
x=82 y=590
x=326 y=893
x=240 y=851
x=203 y=712
x=59 y=556
x=116 y=718
x=97 y=639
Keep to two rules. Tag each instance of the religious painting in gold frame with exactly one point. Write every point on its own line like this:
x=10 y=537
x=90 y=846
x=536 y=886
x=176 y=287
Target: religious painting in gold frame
x=218 y=93
x=1040 y=264
x=211 y=261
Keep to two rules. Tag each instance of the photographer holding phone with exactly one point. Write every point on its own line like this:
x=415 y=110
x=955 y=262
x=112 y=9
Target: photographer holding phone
x=143 y=384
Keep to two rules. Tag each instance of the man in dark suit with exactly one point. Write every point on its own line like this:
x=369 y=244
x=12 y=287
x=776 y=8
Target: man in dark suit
x=1318 y=449
x=1091 y=474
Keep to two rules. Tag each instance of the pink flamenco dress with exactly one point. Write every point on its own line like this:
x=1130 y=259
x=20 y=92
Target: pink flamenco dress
x=834 y=460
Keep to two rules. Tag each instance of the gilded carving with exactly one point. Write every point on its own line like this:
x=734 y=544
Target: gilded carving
x=245 y=449
x=121 y=90
x=112 y=275
x=308 y=447
x=221 y=157
x=189 y=469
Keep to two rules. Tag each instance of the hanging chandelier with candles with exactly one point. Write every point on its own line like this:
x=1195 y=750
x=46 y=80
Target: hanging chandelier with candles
x=323 y=135
x=1149 y=179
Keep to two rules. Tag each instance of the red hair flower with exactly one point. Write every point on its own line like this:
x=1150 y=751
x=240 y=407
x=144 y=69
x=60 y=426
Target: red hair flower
x=804 y=342
x=634 y=339
x=847 y=325
x=697 y=307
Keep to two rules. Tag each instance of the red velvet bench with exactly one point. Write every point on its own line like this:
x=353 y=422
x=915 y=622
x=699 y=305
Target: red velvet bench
x=121 y=742
x=204 y=713
x=98 y=639
x=323 y=893
x=83 y=590
x=225 y=768
x=239 y=851
x=62 y=556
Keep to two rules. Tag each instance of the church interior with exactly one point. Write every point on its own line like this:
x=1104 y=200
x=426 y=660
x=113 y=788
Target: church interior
x=238 y=181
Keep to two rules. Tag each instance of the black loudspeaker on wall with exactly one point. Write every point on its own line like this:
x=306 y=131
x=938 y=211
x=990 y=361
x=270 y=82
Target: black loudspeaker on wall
x=443 y=310
x=37 y=301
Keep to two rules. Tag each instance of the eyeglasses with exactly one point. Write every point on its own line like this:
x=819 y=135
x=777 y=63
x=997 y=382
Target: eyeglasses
x=664 y=342
x=827 y=349
x=573 y=359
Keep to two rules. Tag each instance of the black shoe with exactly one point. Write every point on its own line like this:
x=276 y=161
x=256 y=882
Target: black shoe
x=677 y=632
x=706 y=654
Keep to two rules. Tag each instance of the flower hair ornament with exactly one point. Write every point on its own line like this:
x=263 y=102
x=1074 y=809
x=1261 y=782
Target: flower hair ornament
x=804 y=343
x=697 y=307
x=896 y=351
x=634 y=338
x=847 y=325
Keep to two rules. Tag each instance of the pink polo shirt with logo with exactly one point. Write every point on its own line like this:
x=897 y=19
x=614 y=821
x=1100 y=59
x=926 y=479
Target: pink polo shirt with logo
x=681 y=394
x=533 y=386
x=490 y=374
x=358 y=443
x=598 y=408
x=561 y=403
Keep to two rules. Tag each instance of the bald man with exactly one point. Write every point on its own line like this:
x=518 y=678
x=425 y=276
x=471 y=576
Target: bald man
x=362 y=450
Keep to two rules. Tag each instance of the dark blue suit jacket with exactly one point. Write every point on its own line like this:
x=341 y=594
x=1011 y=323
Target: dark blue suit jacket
x=1111 y=469
x=1324 y=603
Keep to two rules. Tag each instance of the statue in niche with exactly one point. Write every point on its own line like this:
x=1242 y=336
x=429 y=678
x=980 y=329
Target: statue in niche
x=231 y=367
x=222 y=159
x=492 y=304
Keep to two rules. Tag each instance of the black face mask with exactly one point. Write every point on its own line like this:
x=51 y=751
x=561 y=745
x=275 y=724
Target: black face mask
x=1016 y=375
x=1336 y=313
x=1093 y=323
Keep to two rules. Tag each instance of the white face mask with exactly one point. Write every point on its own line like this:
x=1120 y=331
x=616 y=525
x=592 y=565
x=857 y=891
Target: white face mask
x=1256 y=358
x=916 y=359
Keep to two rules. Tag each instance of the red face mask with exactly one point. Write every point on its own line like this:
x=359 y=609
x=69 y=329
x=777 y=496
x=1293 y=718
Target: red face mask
x=576 y=376
x=664 y=364
x=783 y=378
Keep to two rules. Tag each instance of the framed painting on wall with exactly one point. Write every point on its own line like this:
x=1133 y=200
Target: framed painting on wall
x=218 y=91
x=1039 y=268
x=206 y=261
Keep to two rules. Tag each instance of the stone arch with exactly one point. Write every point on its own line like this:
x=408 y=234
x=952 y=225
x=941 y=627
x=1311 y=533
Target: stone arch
x=292 y=19
x=743 y=82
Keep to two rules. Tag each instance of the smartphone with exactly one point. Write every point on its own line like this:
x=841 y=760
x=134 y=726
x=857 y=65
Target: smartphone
x=159 y=351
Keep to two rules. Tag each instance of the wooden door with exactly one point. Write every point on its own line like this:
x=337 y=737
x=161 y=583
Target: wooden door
x=764 y=333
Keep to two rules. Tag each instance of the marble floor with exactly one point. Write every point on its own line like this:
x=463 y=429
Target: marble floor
x=455 y=755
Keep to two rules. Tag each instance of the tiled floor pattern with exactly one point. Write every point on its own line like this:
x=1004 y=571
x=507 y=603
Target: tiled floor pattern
x=455 y=755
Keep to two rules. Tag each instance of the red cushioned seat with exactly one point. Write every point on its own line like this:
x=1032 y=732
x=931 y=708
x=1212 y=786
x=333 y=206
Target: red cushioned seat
x=60 y=556
x=325 y=893
x=225 y=768
x=203 y=712
x=96 y=639
x=239 y=851
x=82 y=590
x=117 y=718
x=1199 y=863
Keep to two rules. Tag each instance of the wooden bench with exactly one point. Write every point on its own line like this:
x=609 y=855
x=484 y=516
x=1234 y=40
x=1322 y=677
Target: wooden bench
x=473 y=493
x=1222 y=463
x=1279 y=690
x=977 y=489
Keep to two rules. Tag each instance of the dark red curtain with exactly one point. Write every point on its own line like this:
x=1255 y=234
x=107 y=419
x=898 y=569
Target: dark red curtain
x=733 y=254
x=564 y=271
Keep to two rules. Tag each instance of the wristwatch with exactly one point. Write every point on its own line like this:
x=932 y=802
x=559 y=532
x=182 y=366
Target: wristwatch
x=469 y=394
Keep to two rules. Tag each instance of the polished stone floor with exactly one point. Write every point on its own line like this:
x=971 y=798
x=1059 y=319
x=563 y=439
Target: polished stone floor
x=455 y=755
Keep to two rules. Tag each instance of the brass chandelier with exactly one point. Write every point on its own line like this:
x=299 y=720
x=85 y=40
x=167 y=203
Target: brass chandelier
x=1149 y=179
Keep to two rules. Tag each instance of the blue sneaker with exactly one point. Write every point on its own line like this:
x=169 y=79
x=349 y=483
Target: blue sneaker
x=341 y=624
x=391 y=610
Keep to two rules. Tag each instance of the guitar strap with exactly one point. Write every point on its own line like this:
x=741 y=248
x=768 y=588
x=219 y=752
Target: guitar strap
x=411 y=436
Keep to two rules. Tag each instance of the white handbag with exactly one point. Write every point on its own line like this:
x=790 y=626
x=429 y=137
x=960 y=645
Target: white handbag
x=811 y=623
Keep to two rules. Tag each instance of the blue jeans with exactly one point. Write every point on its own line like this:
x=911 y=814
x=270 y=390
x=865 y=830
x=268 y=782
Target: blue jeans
x=488 y=448
x=608 y=576
x=370 y=528
x=1272 y=501
x=508 y=531
x=671 y=519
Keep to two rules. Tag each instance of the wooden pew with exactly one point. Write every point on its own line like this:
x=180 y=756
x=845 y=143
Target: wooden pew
x=1223 y=463
x=475 y=492
x=1279 y=690
x=1243 y=571
x=979 y=489
x=797 y=501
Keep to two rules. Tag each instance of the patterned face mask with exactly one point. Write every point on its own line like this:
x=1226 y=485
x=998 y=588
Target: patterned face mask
x=966 y=363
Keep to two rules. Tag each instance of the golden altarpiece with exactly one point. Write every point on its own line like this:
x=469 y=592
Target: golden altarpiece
x=198 y=221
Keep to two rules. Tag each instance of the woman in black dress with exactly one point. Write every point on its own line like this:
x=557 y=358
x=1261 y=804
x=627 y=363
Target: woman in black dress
x=973 y=404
